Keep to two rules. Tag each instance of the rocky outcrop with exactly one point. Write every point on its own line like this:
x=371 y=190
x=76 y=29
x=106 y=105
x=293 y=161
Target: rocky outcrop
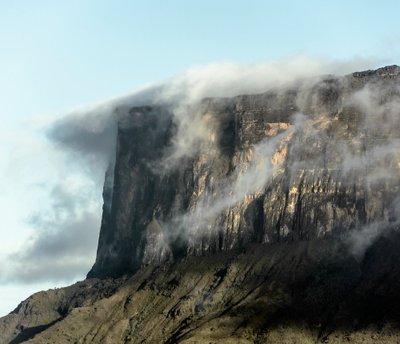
x=318 y=158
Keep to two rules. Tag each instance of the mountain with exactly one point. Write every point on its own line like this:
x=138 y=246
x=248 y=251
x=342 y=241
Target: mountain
x=261 y=218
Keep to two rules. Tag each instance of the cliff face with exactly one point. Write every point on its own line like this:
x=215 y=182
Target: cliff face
x=318 y=158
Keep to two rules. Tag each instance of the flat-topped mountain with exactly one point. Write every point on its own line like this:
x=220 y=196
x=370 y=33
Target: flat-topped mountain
x=299 y=163
x=259 y=218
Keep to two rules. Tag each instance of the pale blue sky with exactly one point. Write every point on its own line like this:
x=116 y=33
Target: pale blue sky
x=56 y=55
x=59 y=54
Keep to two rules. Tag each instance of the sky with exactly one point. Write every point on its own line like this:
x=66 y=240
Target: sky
x=56 y=57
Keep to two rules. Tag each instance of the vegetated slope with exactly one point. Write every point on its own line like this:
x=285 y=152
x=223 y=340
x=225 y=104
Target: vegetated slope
x=298 y=292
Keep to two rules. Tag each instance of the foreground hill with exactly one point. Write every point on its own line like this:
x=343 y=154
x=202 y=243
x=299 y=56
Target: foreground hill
x=299 y=292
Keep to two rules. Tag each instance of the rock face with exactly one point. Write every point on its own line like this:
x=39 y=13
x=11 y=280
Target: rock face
x=315 y=159
x=267 y=218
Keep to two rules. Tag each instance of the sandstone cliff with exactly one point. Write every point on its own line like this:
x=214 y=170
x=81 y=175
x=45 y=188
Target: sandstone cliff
x=315 y=159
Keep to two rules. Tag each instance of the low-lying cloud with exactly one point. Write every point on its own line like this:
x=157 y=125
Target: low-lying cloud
x=64 y=240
